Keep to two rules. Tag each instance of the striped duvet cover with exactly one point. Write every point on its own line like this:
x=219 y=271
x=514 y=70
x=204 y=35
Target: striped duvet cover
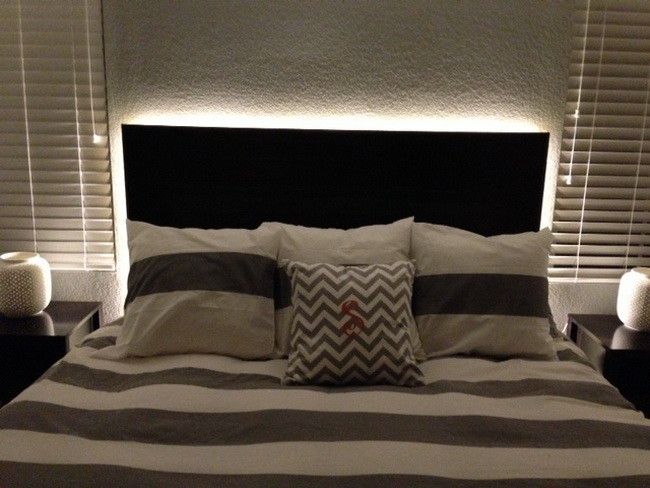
x=207 y=420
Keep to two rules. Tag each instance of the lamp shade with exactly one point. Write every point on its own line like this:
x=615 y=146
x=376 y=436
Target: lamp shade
x=25 y=284
x=633 y=303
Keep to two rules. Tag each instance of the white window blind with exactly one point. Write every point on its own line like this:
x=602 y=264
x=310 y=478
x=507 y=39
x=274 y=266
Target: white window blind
x=601 y=221
x=55 y=191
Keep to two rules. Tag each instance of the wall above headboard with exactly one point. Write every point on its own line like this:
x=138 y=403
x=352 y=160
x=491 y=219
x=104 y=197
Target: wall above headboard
x=421 y=65
x=239 y=177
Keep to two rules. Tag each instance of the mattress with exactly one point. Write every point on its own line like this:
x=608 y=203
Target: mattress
x=209 y=420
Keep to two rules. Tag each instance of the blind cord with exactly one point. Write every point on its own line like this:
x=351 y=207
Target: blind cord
x=79 y=157
x=27 y=140
x=591 y=142
x=576 y=114
x=96 y=138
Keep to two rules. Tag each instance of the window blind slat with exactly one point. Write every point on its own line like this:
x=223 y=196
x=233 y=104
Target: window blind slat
x=603 y=215
x=605 y=169
x=54 y=164
x=56 y=212
x=25 y=235
x=628 y=32
x=606 y=134
x=600 y=273
x=605 y=156
x=612 y=71
x=610 y=181
x=55 y=200
x=62 y=223
x=75 y=247
x=44 y=151
x=58 y=176
x=601 y=204
x=11 y=140
x=604 y=121
x=51 y=116
x=611 y=59
x=55 y=183
x=603 y=145
x=589 y=250
x=20 y=188
x=605 y=239
x=607 y=108
x=640 y=228
x=604 y=261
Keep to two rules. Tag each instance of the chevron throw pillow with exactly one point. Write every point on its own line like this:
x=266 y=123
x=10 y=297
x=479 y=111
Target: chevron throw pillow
x=351 y=325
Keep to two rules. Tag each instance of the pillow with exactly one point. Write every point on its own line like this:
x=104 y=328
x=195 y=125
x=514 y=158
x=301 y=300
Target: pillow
x=481 y=295
x=198 y=291
x=350 y=325
x=365 y=245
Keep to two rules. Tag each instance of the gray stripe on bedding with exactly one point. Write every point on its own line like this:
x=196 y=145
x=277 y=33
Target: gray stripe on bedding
x=244 y=273
x=465 y=294
x=282 y=292
x=569 y=355
x=99 y=342
x=265 y=426
x=98 y=476
x=109 y=381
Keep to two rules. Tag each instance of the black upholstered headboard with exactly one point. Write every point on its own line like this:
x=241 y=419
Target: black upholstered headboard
x=208 y=177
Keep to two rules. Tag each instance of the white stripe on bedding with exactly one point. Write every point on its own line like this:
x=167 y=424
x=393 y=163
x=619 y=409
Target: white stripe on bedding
x=453 y=368
x=174 y=398
x=473 y=369
x=331 y=458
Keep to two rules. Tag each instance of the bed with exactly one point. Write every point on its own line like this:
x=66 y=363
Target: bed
x=198 y=419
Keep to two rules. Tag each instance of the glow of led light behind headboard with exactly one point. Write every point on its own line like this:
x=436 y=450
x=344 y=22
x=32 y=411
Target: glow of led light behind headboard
x=345 y=122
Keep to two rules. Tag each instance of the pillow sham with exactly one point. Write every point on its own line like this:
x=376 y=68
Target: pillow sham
x=350 y=325
x=364 y=245
x=198 y=291
x=481 y=295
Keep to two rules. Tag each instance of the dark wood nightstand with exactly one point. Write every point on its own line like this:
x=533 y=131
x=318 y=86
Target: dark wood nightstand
x=622 y=355
x=29 y=346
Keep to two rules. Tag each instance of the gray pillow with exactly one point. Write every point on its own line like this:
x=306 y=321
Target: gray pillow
x=350 y=325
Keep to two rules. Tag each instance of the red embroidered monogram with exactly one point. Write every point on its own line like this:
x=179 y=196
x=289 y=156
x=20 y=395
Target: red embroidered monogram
x=355 y=323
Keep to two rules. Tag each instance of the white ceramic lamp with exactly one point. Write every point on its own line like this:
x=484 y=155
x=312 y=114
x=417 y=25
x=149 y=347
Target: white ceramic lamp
x=633 y=303
x=25 y=284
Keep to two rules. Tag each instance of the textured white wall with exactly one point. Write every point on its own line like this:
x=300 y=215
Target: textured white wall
x=99 y=286
x=428 y=65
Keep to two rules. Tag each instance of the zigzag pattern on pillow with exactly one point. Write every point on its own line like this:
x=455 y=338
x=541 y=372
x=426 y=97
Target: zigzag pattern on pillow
x=350 y=324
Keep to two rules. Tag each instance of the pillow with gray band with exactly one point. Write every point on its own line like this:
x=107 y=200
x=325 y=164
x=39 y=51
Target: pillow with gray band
x=481 y=295
x=198 y=291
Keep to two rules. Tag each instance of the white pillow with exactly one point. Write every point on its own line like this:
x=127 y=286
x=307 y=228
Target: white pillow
x=481 y=295
x=198 y=291
x=374 y=244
